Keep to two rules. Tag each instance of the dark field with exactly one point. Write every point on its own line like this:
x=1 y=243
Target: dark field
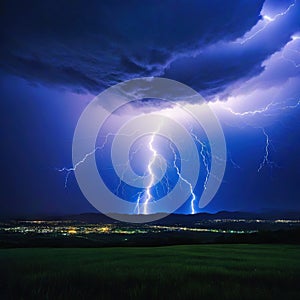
x=174 y=272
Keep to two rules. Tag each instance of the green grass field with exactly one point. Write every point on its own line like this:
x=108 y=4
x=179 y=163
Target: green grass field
x=174 y=272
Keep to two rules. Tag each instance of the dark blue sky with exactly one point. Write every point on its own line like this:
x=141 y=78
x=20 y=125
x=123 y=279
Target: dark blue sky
x=242 y=56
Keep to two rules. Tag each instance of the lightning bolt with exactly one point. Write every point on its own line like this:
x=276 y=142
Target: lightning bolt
x=268 y=20
x=266 y=160
x=151 y=172
x=204 y=155
x=290 y=106
x=248 y=113
x=73 y=169
x=271 y=106
x=138 y=202
x=145 y=196
x=193 y=200
x=263 y=110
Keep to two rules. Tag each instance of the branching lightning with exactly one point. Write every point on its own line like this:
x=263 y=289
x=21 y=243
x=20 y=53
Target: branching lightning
x=146 y=195
x=249 y=113
x=73 y=169
x=138 y=202
x=266 y=160
x=271 y=107
x=268 y=20
x=151 y=172
x=274 y=106
x=204 y=155
x=70 y=170
x=193 y=200
x=290 y=106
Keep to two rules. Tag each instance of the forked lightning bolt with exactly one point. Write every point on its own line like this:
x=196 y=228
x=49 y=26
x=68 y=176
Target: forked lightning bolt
x=204 y=155
x=73 y=169
x=193 y=200
x=272 y=107
x=138 y=202
x=266 y=159
x=69 y=170
x=148 y=195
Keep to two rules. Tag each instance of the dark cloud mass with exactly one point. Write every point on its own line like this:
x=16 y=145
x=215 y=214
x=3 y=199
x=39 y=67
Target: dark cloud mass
x=213 y=68
x=89 y=46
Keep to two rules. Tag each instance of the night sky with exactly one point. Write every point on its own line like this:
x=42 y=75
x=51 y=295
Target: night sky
x=243 y=57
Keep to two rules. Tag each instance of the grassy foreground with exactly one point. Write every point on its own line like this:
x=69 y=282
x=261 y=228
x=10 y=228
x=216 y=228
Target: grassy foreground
x=174 y=272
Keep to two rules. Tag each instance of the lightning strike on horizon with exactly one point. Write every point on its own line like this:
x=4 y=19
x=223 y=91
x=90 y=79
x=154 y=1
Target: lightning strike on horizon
x=193 y=203
x=138 y=202
x=150 y=171
x=146 y=194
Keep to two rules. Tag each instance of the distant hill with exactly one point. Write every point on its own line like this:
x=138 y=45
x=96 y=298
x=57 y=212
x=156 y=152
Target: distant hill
x=182 y=219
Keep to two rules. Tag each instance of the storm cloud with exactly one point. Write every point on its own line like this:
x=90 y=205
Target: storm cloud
x=86 y=47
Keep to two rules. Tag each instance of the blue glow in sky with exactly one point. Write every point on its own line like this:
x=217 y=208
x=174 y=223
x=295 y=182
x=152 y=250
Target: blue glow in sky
x=242 y=56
